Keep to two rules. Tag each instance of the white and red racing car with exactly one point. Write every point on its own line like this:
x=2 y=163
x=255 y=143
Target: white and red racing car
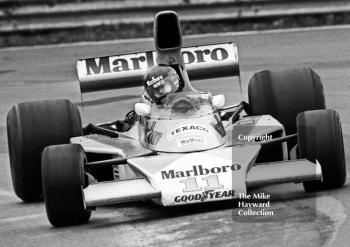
x=192 y=149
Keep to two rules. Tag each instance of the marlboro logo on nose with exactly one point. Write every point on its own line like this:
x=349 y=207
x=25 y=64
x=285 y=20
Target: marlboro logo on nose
x=198 y=171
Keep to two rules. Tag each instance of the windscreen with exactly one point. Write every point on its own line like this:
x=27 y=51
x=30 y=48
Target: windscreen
x=184 y=105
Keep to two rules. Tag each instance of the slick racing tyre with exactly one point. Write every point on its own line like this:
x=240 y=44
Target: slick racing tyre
x=63 y=182
x=320 y=137
x=284 y=93
x=31 y=126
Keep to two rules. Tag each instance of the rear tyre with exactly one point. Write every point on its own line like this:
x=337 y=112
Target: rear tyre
x=320 y=137
x=63 y=181
x=284 y=93
x=31 y=126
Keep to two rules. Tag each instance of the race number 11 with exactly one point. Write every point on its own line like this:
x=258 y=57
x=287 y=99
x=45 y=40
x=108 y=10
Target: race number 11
x=212 y=182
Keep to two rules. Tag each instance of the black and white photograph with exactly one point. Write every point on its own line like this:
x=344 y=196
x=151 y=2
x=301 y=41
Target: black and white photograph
x=174 y=123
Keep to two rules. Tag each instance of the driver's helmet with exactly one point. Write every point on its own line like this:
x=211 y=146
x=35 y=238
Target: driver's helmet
x=159 y=81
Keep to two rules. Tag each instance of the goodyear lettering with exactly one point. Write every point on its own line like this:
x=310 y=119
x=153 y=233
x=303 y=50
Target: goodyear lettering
x=145 y=60
x=204 y=196
x=199 y=171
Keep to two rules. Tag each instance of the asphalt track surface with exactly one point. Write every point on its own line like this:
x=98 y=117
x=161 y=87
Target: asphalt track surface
x=300 y=219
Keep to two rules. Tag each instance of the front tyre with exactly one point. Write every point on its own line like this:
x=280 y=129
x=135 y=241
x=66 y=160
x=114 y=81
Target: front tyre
x=31 y=126
x=63 y=182
x=320 y=137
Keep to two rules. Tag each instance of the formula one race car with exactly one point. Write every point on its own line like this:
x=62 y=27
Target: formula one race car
x=192 y=149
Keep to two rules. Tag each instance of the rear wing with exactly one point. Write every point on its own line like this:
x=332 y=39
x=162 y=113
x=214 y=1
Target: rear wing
x=127 y=70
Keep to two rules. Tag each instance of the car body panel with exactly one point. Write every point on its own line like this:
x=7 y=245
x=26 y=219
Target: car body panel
x=174 y=180
x=218 y=173
x=124 y=147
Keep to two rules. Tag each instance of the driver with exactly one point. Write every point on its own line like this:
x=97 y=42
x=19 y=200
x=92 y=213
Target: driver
x=159 y=81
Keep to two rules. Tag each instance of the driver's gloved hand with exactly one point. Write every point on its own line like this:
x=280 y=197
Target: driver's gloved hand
x=126 y=124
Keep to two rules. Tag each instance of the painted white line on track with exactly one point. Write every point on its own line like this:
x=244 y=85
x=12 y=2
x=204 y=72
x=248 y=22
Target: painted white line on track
x=149 y=39
x=19 y=218
x=334 y=209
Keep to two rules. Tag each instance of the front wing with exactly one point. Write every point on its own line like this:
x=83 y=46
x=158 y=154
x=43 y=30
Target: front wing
x=220 y=174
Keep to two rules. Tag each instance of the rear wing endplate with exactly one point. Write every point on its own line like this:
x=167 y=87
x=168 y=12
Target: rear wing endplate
x=122 y=71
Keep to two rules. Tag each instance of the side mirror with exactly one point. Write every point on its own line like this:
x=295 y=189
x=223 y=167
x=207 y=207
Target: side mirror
x=142 y=109
x=218 y=100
